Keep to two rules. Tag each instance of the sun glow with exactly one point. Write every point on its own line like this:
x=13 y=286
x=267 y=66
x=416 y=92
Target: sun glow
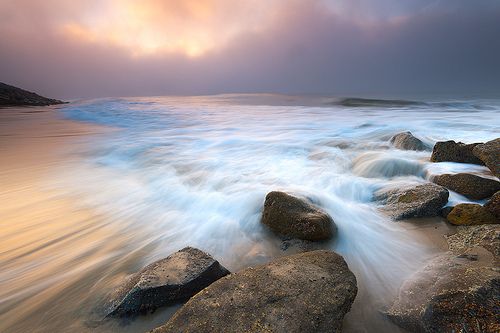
x=189 y=27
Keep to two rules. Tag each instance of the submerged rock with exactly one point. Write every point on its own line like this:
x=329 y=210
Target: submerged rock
x=451 y=151
x=306 y=292
x=486 y=236
x=166 y=281
x=407 y=141
x=449 y=295
x=471 y=214
x=489 y=153
x=472 y=186
x=420 y=201
x=493 y=205
x=294 y=217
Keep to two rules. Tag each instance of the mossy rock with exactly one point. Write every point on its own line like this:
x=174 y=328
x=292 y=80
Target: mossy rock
x=471 y=214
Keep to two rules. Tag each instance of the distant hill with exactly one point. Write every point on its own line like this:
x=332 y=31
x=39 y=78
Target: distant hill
x=12 y=96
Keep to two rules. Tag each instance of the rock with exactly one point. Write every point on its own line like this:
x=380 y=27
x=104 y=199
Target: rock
x=294 y=217
x=450 y=295
x=446 y=210
x=472 y=186
x=165 y=282
x=493 y=205
x=471 y=214
x=12 y=96
x=407 y=141
x=489 y=153
x=486 y=236
x=451 y=151
x=420 y=201
x=306 y=292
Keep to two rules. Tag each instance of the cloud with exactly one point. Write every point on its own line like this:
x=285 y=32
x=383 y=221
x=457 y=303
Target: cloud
x=340 y=47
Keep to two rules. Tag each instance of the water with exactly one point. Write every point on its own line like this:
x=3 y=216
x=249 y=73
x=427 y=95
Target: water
x=179 y=171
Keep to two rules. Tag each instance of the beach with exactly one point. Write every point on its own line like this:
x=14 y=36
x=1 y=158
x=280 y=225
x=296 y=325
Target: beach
x=94 y=190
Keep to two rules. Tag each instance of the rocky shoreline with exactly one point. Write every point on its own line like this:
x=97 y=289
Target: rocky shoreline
x=312 y=291
x=13 y=96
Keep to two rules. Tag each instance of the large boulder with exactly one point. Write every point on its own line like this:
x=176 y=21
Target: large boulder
x=424 y=200
x=406 y=141
x=297 y=218
x=306 y=292
x=451 y=151
x=489 y=153
x=472 y=186
x=451 y=294
x=166 y=281
x=471 y=214
x=493 y=205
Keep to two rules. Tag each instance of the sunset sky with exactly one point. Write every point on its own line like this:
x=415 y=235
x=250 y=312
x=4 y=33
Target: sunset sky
x=91 y=48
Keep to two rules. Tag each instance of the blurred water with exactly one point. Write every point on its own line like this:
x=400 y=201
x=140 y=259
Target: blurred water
x=180 y=171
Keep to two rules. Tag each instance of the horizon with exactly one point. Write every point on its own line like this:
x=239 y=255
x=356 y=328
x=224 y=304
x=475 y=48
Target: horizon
x=163 y=48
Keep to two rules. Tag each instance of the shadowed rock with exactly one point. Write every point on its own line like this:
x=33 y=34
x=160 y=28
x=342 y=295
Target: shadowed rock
x=167 y=281
x=420 y=201
x=472 y=186
x=489 y=153
x=294 y=217
x=451 y=151
x=493 y=205
x=449 y=295
x=12 y=96
x=306 y=292
x=407 y=141
x=471 y=214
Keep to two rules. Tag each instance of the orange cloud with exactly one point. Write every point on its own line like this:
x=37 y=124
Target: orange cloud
x=190 y=27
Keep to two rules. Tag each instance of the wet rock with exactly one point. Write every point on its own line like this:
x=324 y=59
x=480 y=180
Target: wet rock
x=420 y=201
x=407 y=141
x=166 y=281
x=294 y=217
x=471 y=186
x=306 y=292
x=493 y=205
x=450 y=295
x=451 y=151
x=486 y=236
x=489 y=153
x=471 y=214
x=446 y=210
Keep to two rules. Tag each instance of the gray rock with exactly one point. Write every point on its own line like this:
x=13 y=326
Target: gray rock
x=451 y=151
x=489 y=153
x=165 y=282
x=294 y=217
x=407 y=141
x=469 y=185
x=420 y=201
x=306 y=292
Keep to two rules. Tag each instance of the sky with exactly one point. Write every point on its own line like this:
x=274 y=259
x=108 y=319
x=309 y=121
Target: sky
x=98 y=48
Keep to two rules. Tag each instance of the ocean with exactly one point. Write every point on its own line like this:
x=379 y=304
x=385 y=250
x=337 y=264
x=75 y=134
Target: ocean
x=170 y=172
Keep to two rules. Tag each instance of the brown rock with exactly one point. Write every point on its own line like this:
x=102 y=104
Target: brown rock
x=306 y=292
x=294 y=217
x=489 y=153
x=469 y=185
x=471 y=214
x=493 y=205
x=451 y=151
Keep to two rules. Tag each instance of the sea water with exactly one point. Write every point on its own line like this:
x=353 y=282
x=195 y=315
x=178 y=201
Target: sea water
x=194 y=171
